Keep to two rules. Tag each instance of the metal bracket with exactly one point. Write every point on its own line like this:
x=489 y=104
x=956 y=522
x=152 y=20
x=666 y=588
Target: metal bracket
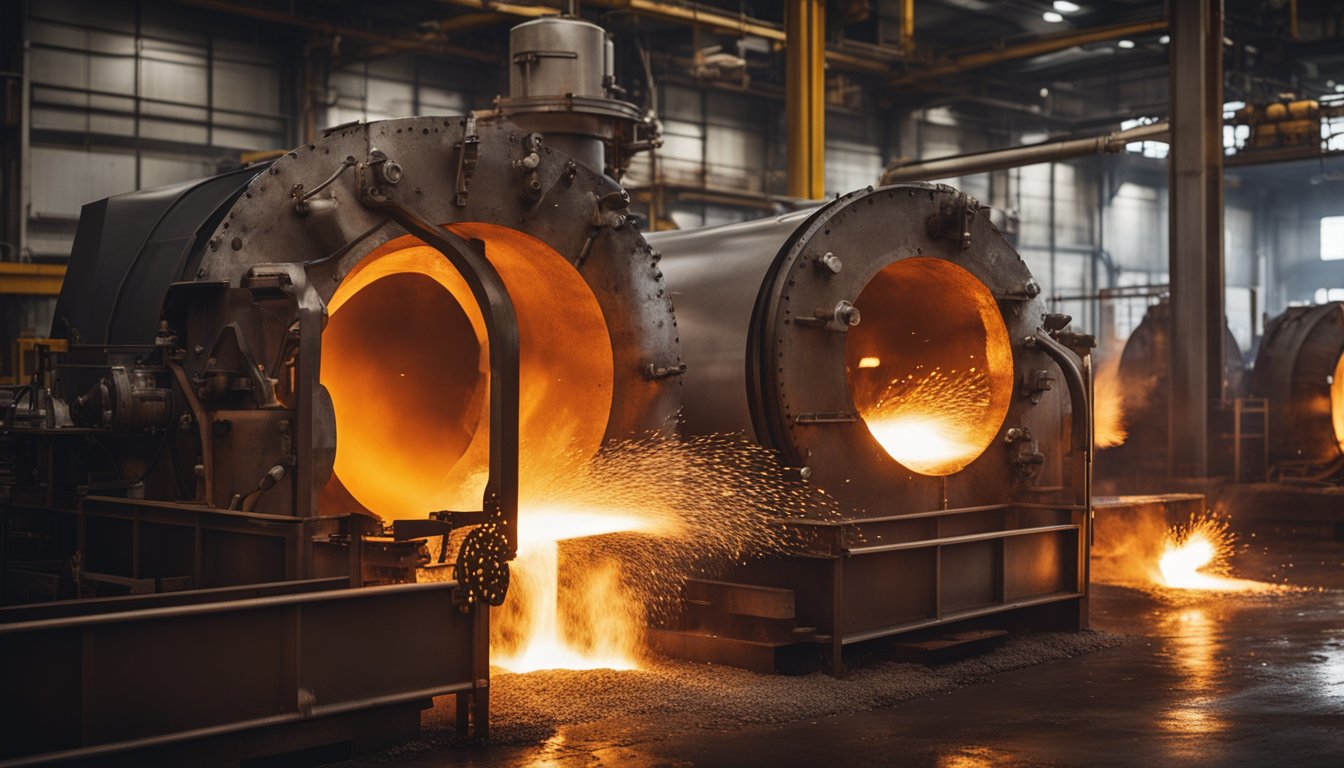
x=608 y=212
x=290 y=281
x=530 y=165
x=843 y=317
x=1029 y=459
x=827 y=417
x=654 y=371
x=500 y=502
x=468 y=152
x=953 y=221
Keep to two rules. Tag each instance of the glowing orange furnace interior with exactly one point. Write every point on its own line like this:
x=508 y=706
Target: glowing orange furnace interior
x=930 y=365
x=1337 y=401
x=406 y=361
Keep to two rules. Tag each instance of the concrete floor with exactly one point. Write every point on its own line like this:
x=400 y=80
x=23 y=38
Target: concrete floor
x=1251 y=679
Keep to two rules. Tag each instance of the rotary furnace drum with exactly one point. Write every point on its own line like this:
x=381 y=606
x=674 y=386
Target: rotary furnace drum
x=267 y=368
x=1299 y=371
x=891 y=347
x=1141 y=463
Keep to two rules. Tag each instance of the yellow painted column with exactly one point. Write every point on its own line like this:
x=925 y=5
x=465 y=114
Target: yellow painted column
x=805 y=82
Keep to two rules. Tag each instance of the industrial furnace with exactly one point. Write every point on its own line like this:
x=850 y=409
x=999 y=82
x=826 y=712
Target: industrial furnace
x=1299 y=372
x=287 y=389
x=281 y=383
x=1141 y=463
x=892 y=347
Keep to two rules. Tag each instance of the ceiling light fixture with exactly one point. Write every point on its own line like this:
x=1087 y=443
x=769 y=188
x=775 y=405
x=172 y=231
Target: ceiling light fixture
x=1126 y=44
x=1064 y=6
x=1052 y=17
x=1164 y=39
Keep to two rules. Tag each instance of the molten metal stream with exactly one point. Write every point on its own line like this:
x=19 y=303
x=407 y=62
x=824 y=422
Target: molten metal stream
x=599 y=628
x=406 y=361
x=930 y=365
x=605 y=537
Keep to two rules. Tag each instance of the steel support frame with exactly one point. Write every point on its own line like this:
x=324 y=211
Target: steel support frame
x=1195 y=251
x=805 y=103
x=933 y=533
x=297 y=659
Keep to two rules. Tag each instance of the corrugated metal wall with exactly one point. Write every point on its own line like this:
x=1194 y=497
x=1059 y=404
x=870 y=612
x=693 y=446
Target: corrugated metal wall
x=127 y=95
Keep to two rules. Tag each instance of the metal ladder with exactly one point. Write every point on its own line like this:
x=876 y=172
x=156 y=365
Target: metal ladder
x=1250 y=422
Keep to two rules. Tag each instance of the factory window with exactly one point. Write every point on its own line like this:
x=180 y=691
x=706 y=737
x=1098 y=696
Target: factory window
x=1332 y=238
x=1329 y=294
x=1154 y=149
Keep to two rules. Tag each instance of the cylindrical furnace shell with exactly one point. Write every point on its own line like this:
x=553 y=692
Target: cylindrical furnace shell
x=1300 y=372
x=765 y=311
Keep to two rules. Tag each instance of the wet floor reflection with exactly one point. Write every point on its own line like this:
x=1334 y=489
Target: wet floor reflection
x=550 y=753
x=1330 y=665
x=1195 y=642
x=974 y=757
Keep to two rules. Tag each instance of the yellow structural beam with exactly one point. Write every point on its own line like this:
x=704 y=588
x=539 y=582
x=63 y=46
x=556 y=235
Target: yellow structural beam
x=24 y=279
x=805 y=97
x=908 y=25
x=739 y=24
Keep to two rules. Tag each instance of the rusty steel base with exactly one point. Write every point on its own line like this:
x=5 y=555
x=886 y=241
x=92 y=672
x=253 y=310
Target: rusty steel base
x=858 y=581
x=216 y=677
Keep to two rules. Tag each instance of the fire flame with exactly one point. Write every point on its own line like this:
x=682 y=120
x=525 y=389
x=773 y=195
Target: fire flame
x=606 y=533
x=605 y=631
x=924 y=420
x=1195 y=556
x=1108 y=405
x=604 y=549
x=419 y=442
x=931 y=366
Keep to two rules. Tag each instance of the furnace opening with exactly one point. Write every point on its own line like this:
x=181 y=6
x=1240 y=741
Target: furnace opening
x=406 y=360
x=1337 y=401
x=930 y=365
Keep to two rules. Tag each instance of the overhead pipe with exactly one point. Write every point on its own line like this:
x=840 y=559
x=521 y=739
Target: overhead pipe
x=420 y=44
x=1038 y=47
x=1045 y=152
